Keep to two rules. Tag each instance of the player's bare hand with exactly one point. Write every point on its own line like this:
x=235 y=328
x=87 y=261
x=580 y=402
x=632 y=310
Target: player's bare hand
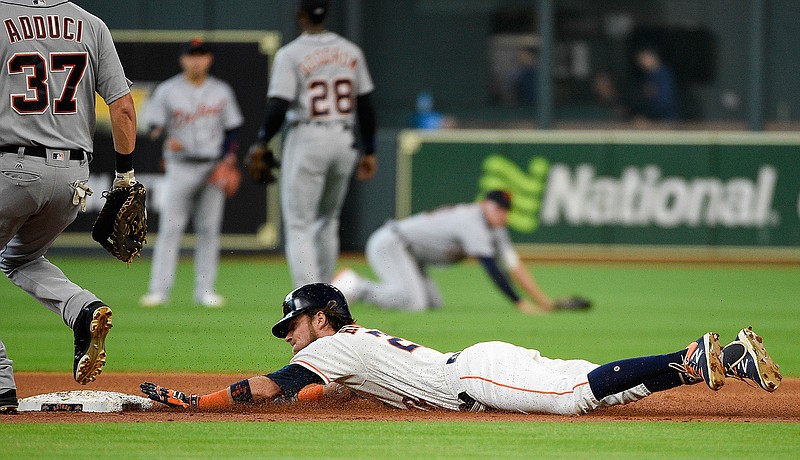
x=172 y=398
x=527 y=307
x=174 y=145
x=367 y=167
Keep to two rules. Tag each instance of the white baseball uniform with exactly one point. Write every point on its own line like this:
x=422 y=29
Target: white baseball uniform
x=399 y=252
x=320 y=75
x=198 y=117
x=55 y=56
x=497 y=375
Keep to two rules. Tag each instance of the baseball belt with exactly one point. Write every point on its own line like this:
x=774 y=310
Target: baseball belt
x=41 y=152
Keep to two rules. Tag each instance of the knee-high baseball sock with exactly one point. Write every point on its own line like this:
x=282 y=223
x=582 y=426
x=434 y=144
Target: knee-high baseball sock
x=665 y=382
x=617 y=376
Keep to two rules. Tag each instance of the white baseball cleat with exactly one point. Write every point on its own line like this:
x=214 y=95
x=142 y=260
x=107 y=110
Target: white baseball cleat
x=211 y=300
x=153 y=299
x=347 y=280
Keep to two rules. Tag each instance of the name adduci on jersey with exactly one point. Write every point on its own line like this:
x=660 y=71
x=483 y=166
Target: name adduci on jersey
x=37 y=27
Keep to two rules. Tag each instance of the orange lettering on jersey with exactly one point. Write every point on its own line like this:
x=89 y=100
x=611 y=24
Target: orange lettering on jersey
x=68 y=33
x=327 y=56
x=11 y=30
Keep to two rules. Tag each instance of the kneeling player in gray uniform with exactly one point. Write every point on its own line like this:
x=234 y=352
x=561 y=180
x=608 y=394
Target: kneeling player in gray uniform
x=46 y=141
x=400 y=251
x=329 y=348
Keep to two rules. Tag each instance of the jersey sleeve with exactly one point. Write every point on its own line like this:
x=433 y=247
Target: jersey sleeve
x=475 y=235
x=111 y=81
x=232 y=115
x=293 y=378
x=363 y=78
x=157 y=113
x=506 y=252
x=283 y=83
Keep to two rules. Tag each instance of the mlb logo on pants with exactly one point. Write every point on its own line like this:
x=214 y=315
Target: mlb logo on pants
x=57 y=155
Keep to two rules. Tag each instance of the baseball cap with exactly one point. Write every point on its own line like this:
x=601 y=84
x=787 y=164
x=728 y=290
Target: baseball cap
x=195 y=46
x=501 y=197
x=316 y=9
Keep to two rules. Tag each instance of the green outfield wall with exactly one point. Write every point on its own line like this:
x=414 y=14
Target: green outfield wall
x=615 y=187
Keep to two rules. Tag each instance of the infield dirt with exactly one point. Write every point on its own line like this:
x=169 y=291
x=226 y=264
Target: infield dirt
x=735 y=402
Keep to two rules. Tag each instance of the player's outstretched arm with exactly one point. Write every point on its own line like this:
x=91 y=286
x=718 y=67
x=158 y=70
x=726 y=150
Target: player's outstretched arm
x=253 y=390
x=528 y=283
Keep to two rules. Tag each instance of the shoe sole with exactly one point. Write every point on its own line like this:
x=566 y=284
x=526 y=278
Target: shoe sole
x=91 y=364
x=767 y=369
x=8 y=410
x=714 y=356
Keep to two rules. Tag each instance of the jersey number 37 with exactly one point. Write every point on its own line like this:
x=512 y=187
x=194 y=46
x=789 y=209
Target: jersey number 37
x=34 y=67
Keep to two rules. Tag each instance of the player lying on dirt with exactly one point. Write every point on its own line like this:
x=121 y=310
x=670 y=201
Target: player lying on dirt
x=329 y=348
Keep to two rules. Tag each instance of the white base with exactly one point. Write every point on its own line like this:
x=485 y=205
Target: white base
x=84 y=401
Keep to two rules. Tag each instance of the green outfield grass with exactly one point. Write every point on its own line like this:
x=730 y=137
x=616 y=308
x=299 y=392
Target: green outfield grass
x=380 y=440
x=639 y=310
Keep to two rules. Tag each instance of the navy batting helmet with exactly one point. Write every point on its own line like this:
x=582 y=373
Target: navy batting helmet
x=320 y=296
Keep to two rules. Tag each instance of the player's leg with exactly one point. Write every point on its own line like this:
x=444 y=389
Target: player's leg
x=176 y=201
x=504 y=376
x=701 y=360
x=401 y=284
x=331 y=202
x=302 y=182
x=577 y=367
x=24 y=263
x=8 y=388
x=22 y=259
x=207 y=224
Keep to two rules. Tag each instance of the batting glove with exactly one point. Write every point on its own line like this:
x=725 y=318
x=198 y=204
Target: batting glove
x=126 y=179
x=172 y=398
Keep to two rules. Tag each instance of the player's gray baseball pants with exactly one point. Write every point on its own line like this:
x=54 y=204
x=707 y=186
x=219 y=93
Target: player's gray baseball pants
x=35 y=209
x=318 y=162
x=186 y=192
x=403 y=281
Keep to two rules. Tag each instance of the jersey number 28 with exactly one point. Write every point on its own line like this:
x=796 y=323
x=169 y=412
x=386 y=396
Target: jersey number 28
x=35 y=67
x=327 y=95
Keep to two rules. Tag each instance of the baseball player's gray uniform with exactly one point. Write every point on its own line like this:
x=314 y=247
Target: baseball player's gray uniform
x=198 y=116
x=54 y=56
x=321 y=75
x=399 y=252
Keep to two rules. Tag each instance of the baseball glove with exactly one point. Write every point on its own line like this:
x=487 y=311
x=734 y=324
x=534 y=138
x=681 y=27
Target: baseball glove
x=121 y=226
x=573 y=303
x=226 y=176
x=260 y=161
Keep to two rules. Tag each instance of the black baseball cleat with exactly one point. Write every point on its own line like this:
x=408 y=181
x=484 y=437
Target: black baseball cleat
x=746 y=359
x=8 y=402
x=90 y=329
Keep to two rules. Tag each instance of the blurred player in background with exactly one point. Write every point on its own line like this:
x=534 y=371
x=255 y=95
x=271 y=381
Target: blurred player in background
x=55 y=57
x=200 y=118
x=329 y=348
x=320 y=85
x=400 y=251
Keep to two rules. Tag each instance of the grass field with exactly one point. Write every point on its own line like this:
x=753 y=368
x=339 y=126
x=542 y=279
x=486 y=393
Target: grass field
x=639 y=310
